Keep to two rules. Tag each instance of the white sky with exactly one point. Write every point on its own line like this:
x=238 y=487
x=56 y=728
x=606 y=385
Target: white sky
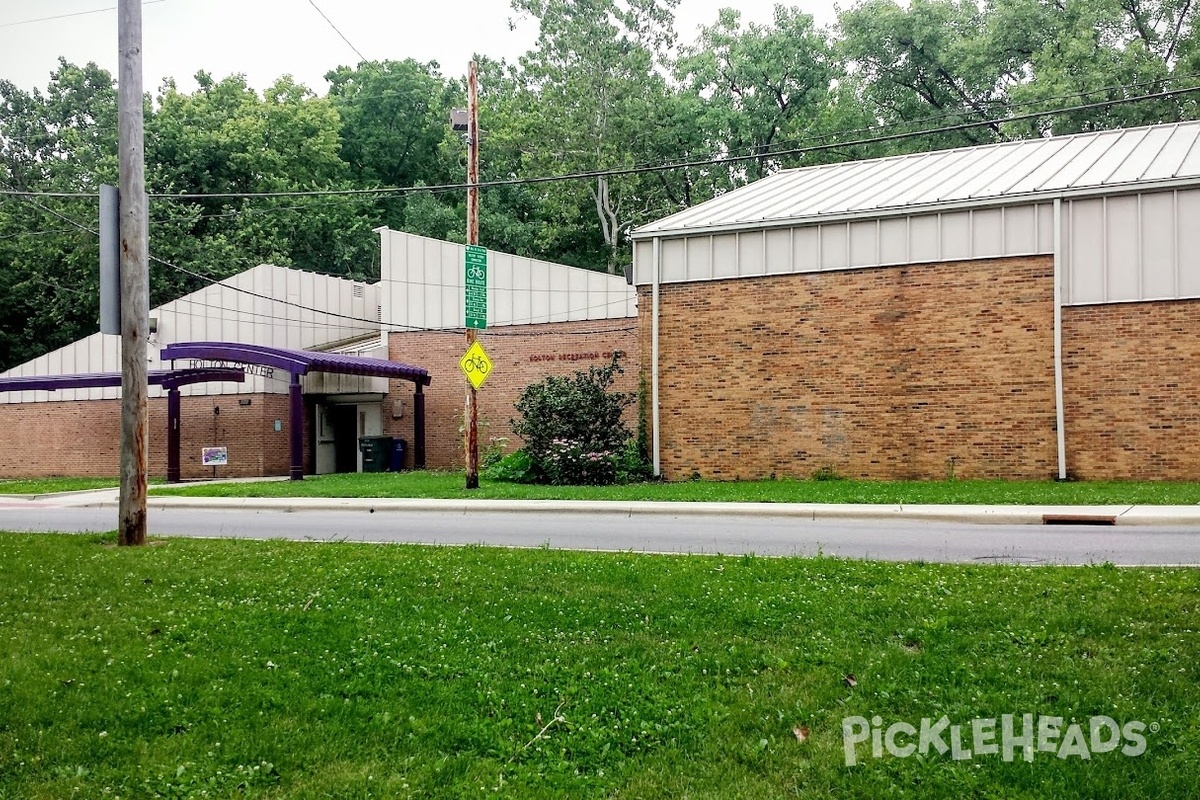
x=264 y=39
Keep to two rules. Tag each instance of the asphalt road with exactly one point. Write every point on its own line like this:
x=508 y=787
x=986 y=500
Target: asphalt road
x=660 y=533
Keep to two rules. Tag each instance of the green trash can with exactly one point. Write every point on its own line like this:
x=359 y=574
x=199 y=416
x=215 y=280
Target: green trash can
x=376 y=452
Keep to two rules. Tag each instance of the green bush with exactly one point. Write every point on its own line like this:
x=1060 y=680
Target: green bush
x=573 y=430
x=516 y=467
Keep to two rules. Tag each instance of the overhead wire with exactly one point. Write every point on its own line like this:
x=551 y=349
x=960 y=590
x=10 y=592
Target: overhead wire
x=666 y=166
x=335 y=30
x=795 y=147
x=72 y=14
x=210 y=280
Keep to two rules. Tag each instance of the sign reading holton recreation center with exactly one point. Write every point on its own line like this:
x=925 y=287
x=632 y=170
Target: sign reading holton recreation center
x=476 y=365
x=476 y=295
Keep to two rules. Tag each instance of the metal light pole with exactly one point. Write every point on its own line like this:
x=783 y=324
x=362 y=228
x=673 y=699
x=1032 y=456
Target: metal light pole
x=472 y=410
x=135 y=293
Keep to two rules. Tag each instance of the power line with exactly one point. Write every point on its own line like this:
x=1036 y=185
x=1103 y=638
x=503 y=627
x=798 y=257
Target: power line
x=818 y=144
x=210 y=282
x=335 y=30
x=705 y=162
x=67 y=195
x=73 y=14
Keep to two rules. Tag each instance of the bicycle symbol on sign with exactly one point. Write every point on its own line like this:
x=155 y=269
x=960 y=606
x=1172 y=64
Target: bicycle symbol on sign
x=477 y=364
x=476 y=273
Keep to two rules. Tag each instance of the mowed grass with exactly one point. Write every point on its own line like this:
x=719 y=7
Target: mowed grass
x=35 y=486
x=288 y=670
x=451 y=485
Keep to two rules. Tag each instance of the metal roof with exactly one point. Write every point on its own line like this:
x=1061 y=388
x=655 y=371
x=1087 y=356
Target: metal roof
x=1088 y=164
x=297 y=362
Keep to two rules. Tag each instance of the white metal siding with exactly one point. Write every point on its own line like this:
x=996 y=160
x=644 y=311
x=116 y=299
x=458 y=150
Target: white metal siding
x=1124 y=248
x=1132 y=248
x=856 y=244
x=228 y=311
x=422 y=287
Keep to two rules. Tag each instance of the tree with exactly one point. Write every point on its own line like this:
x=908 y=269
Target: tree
x=225 y=138
x=1075 y=53
x=591 y=87
x=60 y=141
x=759 y=85
x=926 y=60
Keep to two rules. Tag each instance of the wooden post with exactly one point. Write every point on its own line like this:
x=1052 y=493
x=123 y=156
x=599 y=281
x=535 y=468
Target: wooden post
x=472 y=411
x=135 y=293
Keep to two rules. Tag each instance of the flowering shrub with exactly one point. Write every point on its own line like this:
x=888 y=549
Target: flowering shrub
x=573 y=429
x=571 y=463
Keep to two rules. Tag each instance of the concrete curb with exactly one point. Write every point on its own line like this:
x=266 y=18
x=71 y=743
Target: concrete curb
x=1003 y=515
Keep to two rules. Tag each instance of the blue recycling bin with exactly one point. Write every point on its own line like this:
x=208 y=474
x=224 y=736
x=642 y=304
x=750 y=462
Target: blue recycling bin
x=399 y=454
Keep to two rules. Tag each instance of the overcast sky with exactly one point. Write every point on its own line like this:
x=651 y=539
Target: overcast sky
x=264 y=39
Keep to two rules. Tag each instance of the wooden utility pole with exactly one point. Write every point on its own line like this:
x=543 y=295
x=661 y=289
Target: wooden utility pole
x=135 y=293
x=472 y=412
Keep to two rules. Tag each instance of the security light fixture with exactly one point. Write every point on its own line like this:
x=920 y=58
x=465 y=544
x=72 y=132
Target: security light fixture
x=459 y=121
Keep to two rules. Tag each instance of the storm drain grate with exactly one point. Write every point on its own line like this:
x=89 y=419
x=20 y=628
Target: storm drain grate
x=1077 y=519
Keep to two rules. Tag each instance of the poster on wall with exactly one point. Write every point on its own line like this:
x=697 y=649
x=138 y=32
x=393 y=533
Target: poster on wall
x=214 y=456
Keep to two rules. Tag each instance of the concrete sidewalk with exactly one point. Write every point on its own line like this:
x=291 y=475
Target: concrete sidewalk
x=995 y=514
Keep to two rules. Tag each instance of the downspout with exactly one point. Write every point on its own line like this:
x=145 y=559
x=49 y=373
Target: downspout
x=1058 y=359
x=654 y=355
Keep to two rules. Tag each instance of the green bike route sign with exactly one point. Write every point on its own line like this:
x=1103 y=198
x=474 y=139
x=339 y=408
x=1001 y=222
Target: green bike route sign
x=476 y=295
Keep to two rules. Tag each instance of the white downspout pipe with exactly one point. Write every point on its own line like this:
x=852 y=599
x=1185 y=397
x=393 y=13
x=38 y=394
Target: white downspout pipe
x=1058 y=359
x=654 y=354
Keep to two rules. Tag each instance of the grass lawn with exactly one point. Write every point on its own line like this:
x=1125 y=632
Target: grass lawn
x=450 y=485
x=51 y=485
x=284 y=670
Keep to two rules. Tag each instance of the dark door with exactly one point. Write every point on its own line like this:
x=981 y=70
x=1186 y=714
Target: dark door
x=345 y=437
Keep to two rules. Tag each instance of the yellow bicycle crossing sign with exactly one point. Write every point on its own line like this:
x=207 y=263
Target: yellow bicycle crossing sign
x=476 y=365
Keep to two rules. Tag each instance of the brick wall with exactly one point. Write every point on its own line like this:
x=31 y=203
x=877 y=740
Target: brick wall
x=83 y=437
x=521 y=355
x=1131 y=383
x=895 y=372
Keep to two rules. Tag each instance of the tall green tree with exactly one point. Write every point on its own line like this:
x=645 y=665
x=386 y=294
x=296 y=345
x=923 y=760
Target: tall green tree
x=759 y=85
x=592 y=86
x=924 y=61
x=63 y=140
x=1076 y=53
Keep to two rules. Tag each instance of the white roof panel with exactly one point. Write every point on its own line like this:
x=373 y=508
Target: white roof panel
x=1088 y=164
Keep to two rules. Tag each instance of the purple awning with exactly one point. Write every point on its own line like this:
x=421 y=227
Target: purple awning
x=168 y=379
x=297 y=362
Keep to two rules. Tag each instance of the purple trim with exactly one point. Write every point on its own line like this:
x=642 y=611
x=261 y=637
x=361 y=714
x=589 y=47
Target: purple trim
x=182 y=377
x=418 y=429
x=174 y=473
x=168 y=379
x=297 y=362
x=296 y=428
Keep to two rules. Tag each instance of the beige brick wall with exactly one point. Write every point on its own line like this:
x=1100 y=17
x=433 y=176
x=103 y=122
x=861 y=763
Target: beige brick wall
x=521 y=355
x=82 y=438
x=1131 y=379
x=882 y=373
x=896 y=372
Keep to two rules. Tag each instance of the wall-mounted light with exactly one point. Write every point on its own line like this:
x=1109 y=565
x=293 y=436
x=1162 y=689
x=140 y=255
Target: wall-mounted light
x=244 y=401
